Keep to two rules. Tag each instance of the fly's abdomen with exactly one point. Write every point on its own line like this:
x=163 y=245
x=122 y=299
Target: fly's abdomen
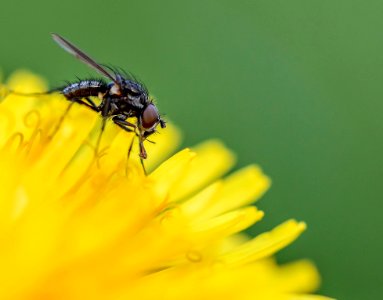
x=84 y=88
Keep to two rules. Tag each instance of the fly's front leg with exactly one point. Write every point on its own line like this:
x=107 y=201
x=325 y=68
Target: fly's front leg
x=143 y=154
x=120 y=120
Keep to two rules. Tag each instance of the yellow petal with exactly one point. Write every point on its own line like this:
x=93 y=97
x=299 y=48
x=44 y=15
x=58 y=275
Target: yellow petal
x=167 y=175
x=213 y=158
x=227 y=224
x=265 y=244
x=239 y=189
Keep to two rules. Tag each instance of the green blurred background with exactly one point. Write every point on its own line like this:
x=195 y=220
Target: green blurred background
x=295 y=86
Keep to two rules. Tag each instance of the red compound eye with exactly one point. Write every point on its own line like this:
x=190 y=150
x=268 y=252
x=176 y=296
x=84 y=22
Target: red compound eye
x=150 y=117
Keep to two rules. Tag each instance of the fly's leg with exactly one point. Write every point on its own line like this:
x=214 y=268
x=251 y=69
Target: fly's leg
x=89 y=103
x=143 y=154
x=97 y=153
x=104 y=113
x=84 y=101
x=61 y=120
x=120 y=120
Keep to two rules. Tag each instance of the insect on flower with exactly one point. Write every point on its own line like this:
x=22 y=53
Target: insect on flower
x=122 y=98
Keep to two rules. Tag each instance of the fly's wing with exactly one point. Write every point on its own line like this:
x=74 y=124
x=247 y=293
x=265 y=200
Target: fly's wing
x=72 y=49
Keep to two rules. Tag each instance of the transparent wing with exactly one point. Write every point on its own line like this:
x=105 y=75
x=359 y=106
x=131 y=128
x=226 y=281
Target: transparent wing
x=72 y=49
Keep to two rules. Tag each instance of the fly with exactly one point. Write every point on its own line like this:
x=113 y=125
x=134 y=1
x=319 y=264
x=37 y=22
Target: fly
x=121 y=98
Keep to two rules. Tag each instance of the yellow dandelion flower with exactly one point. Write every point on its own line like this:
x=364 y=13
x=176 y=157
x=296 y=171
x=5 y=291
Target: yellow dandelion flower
x=76 y=226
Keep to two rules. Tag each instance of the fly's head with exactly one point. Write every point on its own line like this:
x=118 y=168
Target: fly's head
x=133 y=100
x=149 y=120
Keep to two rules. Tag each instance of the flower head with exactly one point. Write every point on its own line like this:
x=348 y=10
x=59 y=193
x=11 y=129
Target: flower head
x=75 y=225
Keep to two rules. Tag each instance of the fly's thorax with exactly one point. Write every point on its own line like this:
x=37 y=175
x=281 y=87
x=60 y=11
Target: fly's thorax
x=129 y=91
x=134 y=88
